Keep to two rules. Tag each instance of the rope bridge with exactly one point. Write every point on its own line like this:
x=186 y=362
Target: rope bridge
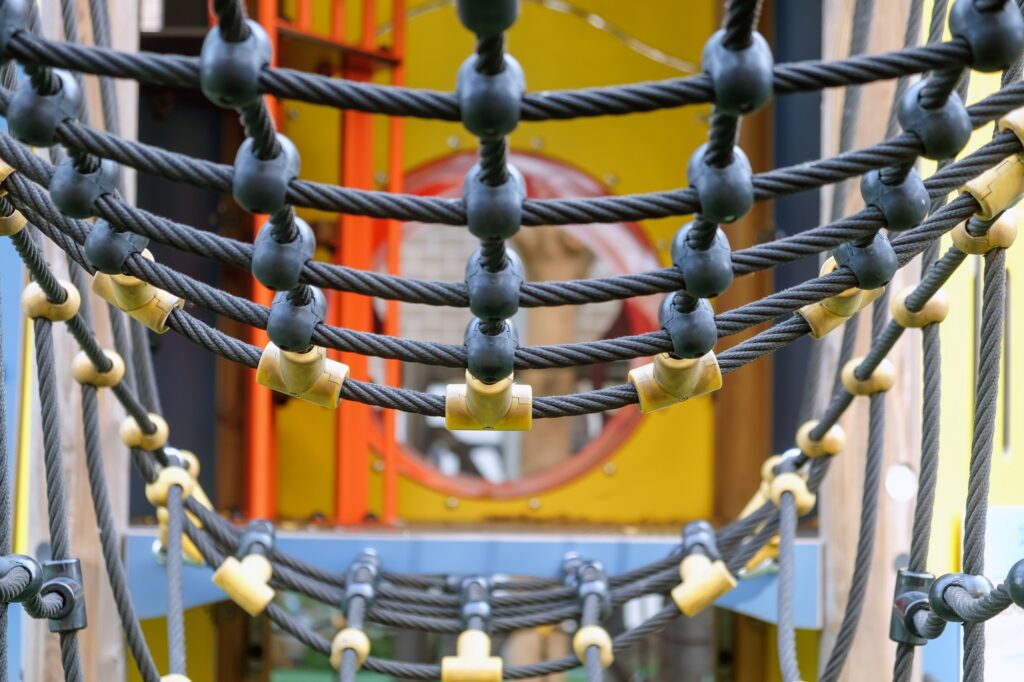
x=76 y=202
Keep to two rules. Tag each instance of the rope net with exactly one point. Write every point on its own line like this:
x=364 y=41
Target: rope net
x=75 y=201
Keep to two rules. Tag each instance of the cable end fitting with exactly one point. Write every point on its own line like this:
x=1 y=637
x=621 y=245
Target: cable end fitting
x=309 y=375
x=473 y=661
x=667 y=380
x=501 y=406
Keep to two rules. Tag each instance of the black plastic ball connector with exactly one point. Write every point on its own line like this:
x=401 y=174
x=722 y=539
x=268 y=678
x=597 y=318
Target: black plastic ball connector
x=903 y=206
x=73 y=192
x=742 y=79
x=257 y=538
x=1015 y=583
x=34 y=118
x=64 y=577
x=490 y=104
x=943 y=131
x=593 y=582
x=229 y=73
x=995 y=36
x=261 y=185
x=488 y=17
x=13 y=562
x=15 y=15
x=909 y=597
x=474 y=602
x=494 y=296
x=494 y=213
x=706 y=272
x=363 y=577
x=290 y=325
x=490 y=357
x=690 y=324
x=873 y=264
x=699 y=536
x=976 y=586
x=107 y=249
x=278 y=265
x=726 y=194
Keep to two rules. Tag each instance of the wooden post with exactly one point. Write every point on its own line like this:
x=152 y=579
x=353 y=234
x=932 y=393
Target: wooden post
x=872 y=655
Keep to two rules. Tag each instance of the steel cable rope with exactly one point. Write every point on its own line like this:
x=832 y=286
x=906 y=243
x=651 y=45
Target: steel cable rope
x=552 y=293
x=6 y=513
x=183 y=71
x=778 y=182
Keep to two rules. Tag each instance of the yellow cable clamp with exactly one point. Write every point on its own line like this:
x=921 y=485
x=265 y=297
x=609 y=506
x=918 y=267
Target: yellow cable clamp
x=593 y=635
x=826 y=315
x=769 y=551
x=309 y=375
x=1000 y=235
x=156 y=492
x=141 y=300
x=350 y=639
x=85 y=372
x=473 y=661
x=133 y=436
x=704 y=581
x=246 y=582
x=35 y=303
x=934 y=310
x=881 y=379
x=998 y=188
x=795 y=484
x=476 y=406
x=11 y=225
x=668 y=380
x=832 y=443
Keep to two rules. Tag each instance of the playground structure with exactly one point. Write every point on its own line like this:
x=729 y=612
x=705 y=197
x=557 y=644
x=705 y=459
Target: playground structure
x=458 y=590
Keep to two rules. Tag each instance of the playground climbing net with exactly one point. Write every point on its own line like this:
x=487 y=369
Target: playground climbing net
x=905 y=216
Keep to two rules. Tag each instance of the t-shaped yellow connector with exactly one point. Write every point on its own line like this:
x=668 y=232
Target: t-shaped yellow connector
x=476 y=406
x=1000 y=235
x=309 y=375
x=246 y=582
x=824 y=316
x=832 y=443
x=704 y=581
x=350 y=639
x=881 y=379
x=596 y=636
x=999 y=188
x=141 y=300
x=794 y=484
x=668 y=380
x=35 y=304
x=11 y=225
x=473 y=661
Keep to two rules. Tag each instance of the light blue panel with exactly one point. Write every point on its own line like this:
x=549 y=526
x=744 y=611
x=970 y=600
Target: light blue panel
x=461 y=554
x=941 y=656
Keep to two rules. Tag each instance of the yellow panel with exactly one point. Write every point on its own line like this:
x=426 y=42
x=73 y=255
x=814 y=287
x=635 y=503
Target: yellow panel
x=662 y=474
x=200 y=643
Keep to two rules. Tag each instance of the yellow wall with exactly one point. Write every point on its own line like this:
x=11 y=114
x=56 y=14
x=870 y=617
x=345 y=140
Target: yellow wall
x=200 y=642
x=639 y=153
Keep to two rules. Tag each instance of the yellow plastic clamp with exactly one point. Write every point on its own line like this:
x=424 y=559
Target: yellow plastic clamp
x=824 y=316
x=593 y=635
x=832 y=443
x=350 y=639
x=11 y=225
x=473 y=661
x=794 y=483
x=133 y=436
x=1000 y=235
x=881 y=380
x=85 y=372
x=141 y=300
x=998 y=188
x=156 y=492
x=934 y=311
x=246 y=582
x=704 y=581
x=769 y=551
x=35 y=303
x=669 y=380
x=188 y=548
x=476 y=406
x=310 y=375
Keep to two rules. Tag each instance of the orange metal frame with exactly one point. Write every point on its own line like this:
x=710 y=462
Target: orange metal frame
x=357 y=238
